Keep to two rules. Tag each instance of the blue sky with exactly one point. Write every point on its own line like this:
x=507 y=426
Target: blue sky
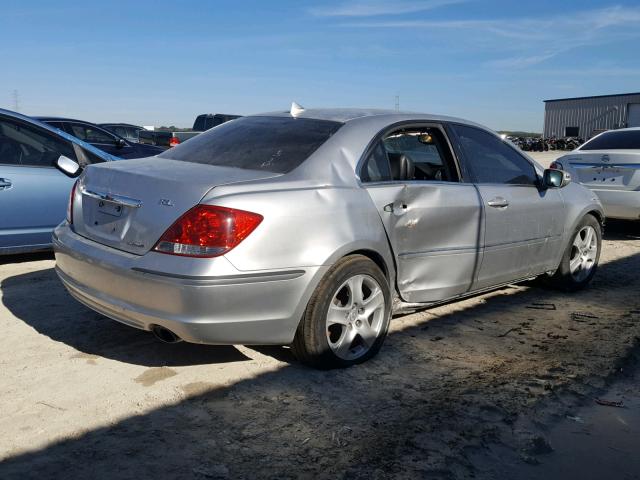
x=164 y=62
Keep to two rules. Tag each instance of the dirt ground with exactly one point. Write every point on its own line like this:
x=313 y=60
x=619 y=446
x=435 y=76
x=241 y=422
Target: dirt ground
x=489 y=387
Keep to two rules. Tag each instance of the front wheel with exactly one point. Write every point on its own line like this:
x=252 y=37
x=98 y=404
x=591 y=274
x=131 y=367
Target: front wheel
x=580 y=260
x=347 y=318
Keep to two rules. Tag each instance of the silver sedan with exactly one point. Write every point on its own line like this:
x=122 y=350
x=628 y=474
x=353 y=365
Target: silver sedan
x=309 y=227
x=609 y=164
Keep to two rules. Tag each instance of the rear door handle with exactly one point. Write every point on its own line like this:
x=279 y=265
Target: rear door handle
x=398 y=207
x=498 y=202
x=5 y=183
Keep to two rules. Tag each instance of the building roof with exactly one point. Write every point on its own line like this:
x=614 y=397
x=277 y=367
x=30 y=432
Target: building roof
x=593 y=96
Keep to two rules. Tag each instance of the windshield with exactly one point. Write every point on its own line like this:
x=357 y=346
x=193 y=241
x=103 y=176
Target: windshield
x=274 y=144
x=614 y=140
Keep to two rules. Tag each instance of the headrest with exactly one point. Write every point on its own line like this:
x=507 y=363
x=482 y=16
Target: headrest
x=402 y=167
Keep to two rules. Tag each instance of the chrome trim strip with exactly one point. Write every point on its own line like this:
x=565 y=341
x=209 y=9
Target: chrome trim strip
x=229 y=279
x=111 y=198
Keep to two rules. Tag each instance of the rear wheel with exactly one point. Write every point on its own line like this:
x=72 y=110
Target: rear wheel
x=580 y=260
x=347 y=318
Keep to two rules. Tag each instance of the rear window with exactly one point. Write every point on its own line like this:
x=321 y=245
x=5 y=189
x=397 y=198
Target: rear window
x=614 y=140
x=273 y=144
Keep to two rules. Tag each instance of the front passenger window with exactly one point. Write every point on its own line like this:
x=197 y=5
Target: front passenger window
x=91 y=135
x=493 y=161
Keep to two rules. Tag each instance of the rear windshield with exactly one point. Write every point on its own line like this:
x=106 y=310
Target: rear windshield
x=273 y=144
x=614 y=140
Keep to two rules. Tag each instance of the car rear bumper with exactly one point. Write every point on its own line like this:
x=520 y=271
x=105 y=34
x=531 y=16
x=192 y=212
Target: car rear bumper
x=623 y=204
x=238 y=308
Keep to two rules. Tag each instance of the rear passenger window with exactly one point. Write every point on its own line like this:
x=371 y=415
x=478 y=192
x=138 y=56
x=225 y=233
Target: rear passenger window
x=493 y=161
x=22 y=144
x=411 y=154
x=426 y=151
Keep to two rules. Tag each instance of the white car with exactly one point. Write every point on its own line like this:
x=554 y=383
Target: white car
x=609 y=164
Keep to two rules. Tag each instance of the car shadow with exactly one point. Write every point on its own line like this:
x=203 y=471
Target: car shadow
x=622 y=230
x=26 y=257
x=39 y=299
x=446 y=387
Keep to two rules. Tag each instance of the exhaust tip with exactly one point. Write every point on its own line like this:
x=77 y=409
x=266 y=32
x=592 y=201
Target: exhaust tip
x=165 y=335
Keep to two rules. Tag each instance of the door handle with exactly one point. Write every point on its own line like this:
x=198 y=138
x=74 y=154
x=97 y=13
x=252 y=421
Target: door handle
x=392 y=207
x=498 y=202
x=5 y=183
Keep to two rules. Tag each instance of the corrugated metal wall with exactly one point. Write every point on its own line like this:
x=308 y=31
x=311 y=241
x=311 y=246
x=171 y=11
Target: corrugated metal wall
x=588 y=114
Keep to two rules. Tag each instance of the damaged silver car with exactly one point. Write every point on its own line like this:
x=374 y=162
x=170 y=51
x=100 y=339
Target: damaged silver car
x=306 y=228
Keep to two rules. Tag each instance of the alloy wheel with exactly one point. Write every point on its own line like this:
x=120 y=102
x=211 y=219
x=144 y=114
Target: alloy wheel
x=584 y=252
x=355 y=317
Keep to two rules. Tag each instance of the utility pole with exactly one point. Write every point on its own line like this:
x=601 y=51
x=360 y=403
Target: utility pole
x=397 y=103
x=16 y=101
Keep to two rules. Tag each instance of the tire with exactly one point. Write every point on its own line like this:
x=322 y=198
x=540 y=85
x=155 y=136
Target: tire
x=340 y=327
x=580 y=260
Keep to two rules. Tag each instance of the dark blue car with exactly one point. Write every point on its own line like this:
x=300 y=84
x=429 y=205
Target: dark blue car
x=102 y=138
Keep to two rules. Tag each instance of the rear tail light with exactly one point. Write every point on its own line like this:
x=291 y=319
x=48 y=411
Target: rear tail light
x=207 y=231
x=72 y=196
x=556 y=165
x=173 y=141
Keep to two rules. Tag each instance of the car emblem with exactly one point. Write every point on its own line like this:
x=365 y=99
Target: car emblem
x=605 y=158
x=136 y=244
x=166 y=202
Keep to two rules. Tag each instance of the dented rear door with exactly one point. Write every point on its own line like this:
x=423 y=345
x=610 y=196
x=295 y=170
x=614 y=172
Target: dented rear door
x=435 y=230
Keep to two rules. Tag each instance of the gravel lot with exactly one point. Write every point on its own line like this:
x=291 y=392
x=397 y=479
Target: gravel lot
x=482 y=388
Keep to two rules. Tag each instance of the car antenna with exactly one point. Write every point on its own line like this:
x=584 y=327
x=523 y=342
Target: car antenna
x=296 y=109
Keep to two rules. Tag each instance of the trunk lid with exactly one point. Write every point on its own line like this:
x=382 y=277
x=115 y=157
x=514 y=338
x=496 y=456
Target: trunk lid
x=129 y=204
x=618 y=170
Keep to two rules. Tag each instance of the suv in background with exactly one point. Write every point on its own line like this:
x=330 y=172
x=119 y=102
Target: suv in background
x=101 y=138
x=124 y=130
x=167 y=138
x=209 y=120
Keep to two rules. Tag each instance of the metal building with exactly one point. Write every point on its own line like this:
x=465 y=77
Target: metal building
x=586 y=116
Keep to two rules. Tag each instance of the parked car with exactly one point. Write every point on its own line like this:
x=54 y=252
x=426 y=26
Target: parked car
x=125 y=130
x=33 y=193
x=164 y=139
x=101 y=138
x=207 y=121
x=302 y=228
x=609 y=164
x=169 y=138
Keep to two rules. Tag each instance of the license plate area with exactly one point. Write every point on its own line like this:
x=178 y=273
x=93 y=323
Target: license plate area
x=609 y=176
x=109 y=208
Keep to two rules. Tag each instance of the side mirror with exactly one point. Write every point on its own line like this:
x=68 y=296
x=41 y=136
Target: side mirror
x=67 y=166
x=120 y=143
x=553 y=178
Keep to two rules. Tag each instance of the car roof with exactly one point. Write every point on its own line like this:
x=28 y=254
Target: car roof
x=120 y=125
x=345 y=115
x=628 y=129
x=61 y=119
